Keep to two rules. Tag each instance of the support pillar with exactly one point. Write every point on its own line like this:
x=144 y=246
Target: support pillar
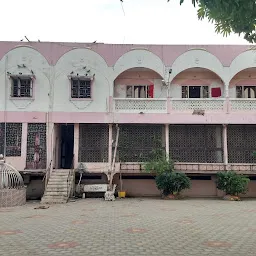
x=225 y=144
x=24 y=139
x=167 y=141
x=110 y=140
x=49 y=143
x=76 y=144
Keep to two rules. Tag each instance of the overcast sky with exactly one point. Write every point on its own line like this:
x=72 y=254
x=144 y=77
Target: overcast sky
x=144 y=22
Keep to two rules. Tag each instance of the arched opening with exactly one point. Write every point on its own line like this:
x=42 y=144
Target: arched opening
x=139 y=83
x=243 y=84
x=197 y=83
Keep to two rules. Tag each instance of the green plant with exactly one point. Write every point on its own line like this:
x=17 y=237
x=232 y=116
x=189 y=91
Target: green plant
x=172 y=182
x=232 y=183
x=158 y=163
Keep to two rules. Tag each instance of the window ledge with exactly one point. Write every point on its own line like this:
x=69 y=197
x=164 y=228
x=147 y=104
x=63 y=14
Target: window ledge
x=80 y=99
x=21 y=98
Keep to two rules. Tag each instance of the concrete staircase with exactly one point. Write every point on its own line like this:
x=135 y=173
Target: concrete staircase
x=59 y=187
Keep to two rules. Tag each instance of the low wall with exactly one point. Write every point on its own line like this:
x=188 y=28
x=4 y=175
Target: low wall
x=12 y=197
x=199 y=188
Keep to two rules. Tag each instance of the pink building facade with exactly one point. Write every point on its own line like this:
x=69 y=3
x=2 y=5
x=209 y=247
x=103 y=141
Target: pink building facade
x=60 y=104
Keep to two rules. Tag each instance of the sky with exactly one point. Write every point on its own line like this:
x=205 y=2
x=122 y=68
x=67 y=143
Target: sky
x=142 y=22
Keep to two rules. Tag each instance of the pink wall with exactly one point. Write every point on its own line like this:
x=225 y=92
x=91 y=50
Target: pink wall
x=199 y=188
x=112 y=52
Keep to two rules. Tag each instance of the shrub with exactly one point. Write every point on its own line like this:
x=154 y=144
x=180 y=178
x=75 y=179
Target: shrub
x=158 y=163
x=172 y=182
x=232 y=183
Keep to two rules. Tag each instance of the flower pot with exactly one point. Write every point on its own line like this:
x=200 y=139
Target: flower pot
x=232 y=198
x=121 y=194
x=175 y=196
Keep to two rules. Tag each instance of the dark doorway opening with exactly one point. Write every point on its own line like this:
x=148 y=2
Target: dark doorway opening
x=194 y=91
x=67 y=146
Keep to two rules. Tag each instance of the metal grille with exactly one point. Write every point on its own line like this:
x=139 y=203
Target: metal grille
x=136 y=142
x=21 y=87
x=13 y=138
x=80 y=88
x=196 y=143
x=36 y=146
x=93 y=143
x=241 y=143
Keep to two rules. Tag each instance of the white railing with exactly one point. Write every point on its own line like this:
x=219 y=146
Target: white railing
x=243 y=104
x=198 y=104
x=129 y=105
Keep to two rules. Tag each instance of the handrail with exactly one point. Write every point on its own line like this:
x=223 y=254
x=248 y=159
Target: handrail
x=70 y=174
x=47 y=174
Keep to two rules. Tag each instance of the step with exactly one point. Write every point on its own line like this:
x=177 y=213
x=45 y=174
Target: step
x=56 y=193
x=57 y=186
x=53 y=201
x=58 y=179
x=57 y=182
x=48 y=197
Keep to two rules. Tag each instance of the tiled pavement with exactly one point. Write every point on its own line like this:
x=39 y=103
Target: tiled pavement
x=92 y=227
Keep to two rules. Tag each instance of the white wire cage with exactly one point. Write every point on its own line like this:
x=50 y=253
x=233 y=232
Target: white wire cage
x=10 y=178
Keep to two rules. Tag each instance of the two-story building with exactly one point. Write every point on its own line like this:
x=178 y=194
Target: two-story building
x=60 y=104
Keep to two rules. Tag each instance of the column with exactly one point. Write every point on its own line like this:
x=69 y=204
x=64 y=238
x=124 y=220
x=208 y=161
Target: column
x=225 y=144
x=167 y=141
x=24 y=137
x=76 y=145
x=110 y=140
x=49 y=143
x=218 y=144
x=227 y=103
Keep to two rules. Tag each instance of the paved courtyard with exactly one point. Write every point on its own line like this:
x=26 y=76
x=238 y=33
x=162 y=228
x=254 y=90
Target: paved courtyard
x=92 y=227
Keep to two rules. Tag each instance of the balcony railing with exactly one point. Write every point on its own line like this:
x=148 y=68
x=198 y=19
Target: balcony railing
x=197 y=104
x=125 y=105
x=164 y=105
x=243 y=104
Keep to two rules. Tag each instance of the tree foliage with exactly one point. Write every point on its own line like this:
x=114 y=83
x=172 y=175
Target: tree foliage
x=237 y=16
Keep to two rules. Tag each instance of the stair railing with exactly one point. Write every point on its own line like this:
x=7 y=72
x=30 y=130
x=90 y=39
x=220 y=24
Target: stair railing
x=70 y=179
x=47 y=174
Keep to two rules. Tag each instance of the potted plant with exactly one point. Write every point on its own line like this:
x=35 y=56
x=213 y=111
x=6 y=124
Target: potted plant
x=232 y=184
x=169 y=182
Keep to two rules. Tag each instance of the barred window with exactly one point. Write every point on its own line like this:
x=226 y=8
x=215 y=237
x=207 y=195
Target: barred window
x=13 y=139
x=80 y=88
x=22 y=87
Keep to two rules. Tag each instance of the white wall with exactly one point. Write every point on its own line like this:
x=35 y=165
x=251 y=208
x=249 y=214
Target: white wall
x=33 y=61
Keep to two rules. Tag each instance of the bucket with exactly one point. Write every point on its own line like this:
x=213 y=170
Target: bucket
x=121 y=194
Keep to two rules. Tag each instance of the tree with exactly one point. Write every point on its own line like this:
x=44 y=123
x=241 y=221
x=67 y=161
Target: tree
x=237 y=16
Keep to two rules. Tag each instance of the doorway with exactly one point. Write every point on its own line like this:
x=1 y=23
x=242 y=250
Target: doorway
x=66 y=146
x=194 y=91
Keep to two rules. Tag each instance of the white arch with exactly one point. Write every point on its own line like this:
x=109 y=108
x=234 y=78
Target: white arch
x=198 y=59
x=139 y=58
x=25 y=55
x=243 y=61
x=81 y=57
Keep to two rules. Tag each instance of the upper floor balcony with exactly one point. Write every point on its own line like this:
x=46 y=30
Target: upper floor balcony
x=197 y=91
